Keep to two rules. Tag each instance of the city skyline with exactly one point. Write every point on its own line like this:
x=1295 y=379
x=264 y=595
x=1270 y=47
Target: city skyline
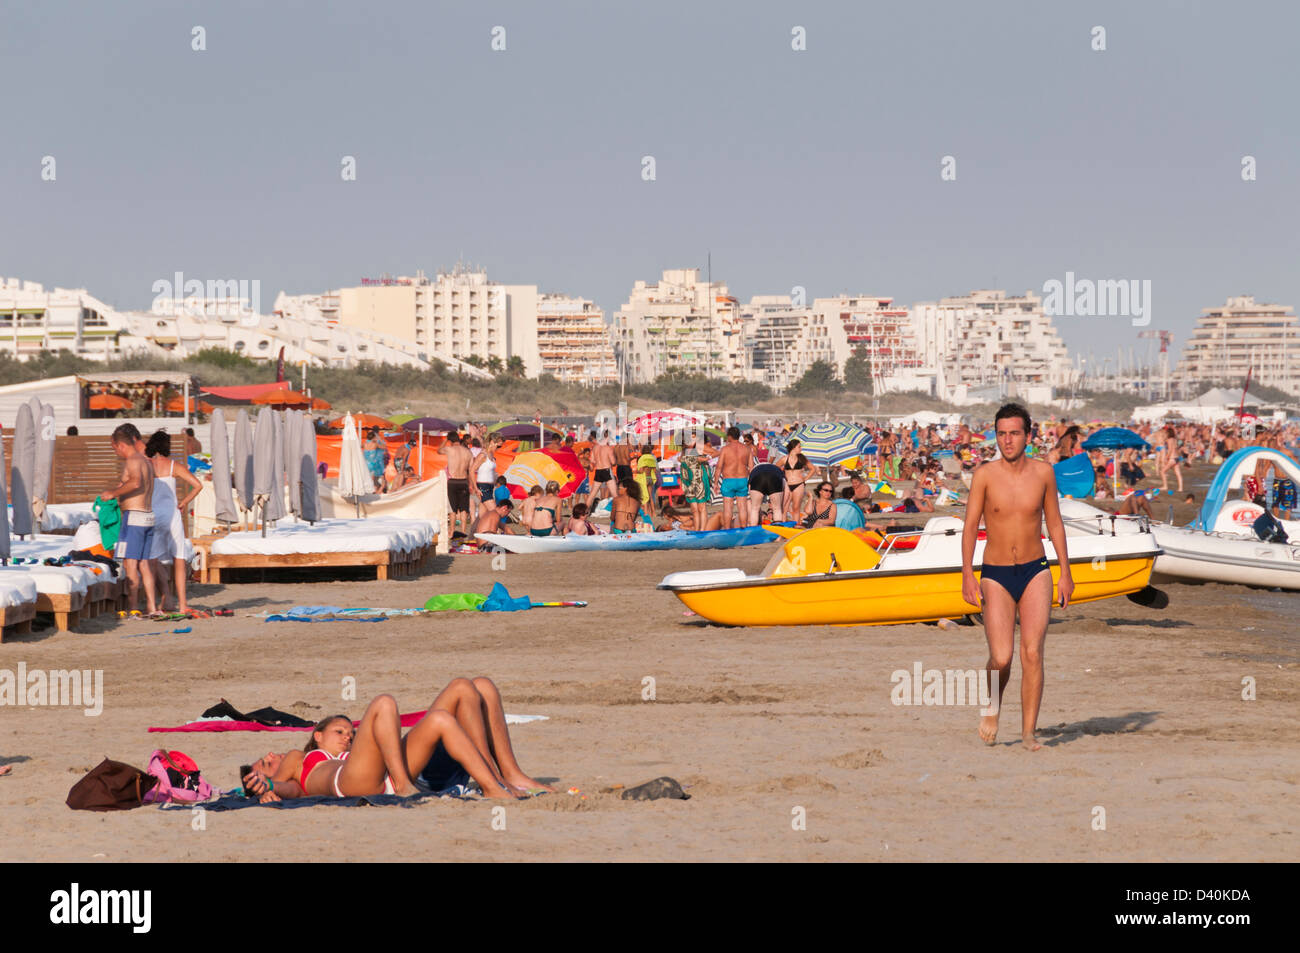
x=819 y=168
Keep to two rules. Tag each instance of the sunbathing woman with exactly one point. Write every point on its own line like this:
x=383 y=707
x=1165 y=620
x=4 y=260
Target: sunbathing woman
x=466 y=722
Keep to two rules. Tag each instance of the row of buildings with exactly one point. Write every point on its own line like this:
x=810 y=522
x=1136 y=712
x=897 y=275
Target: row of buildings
x=968 y=348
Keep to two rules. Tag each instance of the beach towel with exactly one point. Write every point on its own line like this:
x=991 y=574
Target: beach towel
x=109 y=514
x=454 y=601
x=236 y=803
x=225 y=723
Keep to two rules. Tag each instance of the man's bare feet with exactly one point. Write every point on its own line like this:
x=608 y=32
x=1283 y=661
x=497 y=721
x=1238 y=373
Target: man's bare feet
x=989 y=729
x=1031 y=742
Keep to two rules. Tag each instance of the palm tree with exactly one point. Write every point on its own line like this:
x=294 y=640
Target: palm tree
x=515 y=366
x=494 y=365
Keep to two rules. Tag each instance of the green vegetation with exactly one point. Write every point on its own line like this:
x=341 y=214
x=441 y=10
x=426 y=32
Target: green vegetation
x=817 y=381
x=857 y=373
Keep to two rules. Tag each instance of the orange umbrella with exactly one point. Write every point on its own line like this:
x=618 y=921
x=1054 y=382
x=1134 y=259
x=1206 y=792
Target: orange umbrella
x=177 y=406
x=109 y=402
x=282 y=398
x=318 y=404
x=366 y=421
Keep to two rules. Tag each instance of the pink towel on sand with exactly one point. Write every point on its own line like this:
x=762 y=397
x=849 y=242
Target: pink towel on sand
x=408 y=720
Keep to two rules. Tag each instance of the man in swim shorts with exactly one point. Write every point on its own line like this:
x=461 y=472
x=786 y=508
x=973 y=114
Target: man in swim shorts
x=1015 y=495
x=602 y=460
x=734 y=464
x=135 y=496
x=458 y=471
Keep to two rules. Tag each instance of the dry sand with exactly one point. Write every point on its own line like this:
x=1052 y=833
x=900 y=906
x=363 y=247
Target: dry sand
x=1143 y=716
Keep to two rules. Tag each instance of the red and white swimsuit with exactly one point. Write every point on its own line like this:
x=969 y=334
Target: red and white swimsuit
x=317 y=756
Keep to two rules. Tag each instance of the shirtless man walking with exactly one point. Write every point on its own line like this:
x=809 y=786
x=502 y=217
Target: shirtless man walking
x=135 y=496
x=458 y=466
x=1014 y=495
x=734 y=463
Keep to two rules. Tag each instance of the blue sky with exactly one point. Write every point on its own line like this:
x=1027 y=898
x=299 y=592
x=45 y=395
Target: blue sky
x=817 y=168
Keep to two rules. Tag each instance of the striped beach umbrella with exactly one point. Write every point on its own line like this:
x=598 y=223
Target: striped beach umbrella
x=660 y=421
x=831 y=443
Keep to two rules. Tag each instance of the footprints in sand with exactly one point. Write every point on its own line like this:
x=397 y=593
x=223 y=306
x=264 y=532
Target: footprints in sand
x=859 y=759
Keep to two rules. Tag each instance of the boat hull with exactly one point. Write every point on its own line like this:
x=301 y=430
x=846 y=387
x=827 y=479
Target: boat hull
x=1219 y=557
x=886 y=598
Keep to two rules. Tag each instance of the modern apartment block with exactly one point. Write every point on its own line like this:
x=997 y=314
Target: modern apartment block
x=1231 y=340
x=680 y=323
x=573 y=341
x=987 y=339
x=883 y=333
x=33 y=320
x=782 y=340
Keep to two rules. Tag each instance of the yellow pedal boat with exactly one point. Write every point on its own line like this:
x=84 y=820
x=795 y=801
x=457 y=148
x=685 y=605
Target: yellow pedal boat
x=832 y=576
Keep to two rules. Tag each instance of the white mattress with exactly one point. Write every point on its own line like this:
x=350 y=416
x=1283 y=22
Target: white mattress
x=53 y=580
x=63 y=515
x=52 y=547
x=370 y=535
x=16 y=590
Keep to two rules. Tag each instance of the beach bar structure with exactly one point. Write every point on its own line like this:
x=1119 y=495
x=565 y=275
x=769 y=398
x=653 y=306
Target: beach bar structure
x=88 y=401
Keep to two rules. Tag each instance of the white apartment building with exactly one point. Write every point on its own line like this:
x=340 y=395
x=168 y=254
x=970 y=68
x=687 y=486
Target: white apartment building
x=457 y=315
x=574 y=342
x=987 y=339
x=680 y=323
x=783 y=341
x=33 y=320
x=1230 y=340
x=883 y=333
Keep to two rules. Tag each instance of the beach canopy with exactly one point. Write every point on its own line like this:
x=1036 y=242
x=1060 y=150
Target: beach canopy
x=108 y=402
x=400 y=419
x=831 y=443
x=539 y=467
x=431 y=424
x=241 y=394
x=243 y=460
x=281 y=398
x=219 y=447
x=177 y=405
x=1114 y=438
x=354 y=475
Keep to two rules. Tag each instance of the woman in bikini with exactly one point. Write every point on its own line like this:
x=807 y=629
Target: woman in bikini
x=466 y=723
x=578 y=524
x=797 y=472
x=542 y=522
x=171 y=542
x=820 y=510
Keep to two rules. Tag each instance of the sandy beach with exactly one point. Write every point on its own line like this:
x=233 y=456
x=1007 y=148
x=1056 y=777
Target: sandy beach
x=1143 y=716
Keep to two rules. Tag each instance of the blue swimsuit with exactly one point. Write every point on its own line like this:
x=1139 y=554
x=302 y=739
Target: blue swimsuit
x=1015 y=578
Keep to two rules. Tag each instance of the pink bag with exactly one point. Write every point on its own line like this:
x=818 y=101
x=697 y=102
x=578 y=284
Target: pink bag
x=178 y=779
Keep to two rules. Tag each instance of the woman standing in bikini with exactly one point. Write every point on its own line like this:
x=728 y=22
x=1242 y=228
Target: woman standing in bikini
x=797 y=472
x=465 y=723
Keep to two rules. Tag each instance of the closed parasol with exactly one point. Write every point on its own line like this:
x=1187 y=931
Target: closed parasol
x=243 y=461
x=307 y=475
x=354 y=475
x=43 y=418
x=23 y=473
x=219 y=446
x=4 y=510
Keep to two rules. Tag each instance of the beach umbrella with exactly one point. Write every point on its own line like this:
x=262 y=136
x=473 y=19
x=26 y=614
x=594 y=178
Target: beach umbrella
x=1113 y=440
x=24 y=470
x=400 y=419
x=243 y=460
x=658 y=421
x=539 y=467
x=309 y=492
x=177 y=405
x=108 y=402
x=362 y=422
x=319 y=404
x=521 y=431
x=43 y=419
x=281 y=399
x=434 y=425
x=831 y=443
x=219 y=446
x=4 y=510
x=354 y=475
